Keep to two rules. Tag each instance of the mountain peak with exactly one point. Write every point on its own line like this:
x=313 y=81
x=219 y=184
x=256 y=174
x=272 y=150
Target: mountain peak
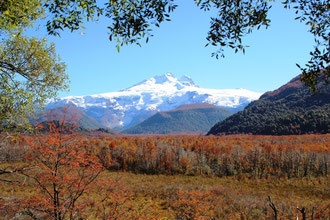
x=165 y=92
x=187 y=81
x=170 y=78
x=168 y=74
x=168 y=81
x=167 y=77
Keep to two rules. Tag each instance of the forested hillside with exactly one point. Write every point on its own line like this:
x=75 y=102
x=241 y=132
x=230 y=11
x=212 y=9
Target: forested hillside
x=190 y=118
x=291 y=109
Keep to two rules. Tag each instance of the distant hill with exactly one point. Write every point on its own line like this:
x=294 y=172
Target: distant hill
x=188 y=118
x=70 y=111
x=70 y=127
x=291 y=109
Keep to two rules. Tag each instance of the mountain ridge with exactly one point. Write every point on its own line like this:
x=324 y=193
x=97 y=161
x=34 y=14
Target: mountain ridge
x=130 y=106
x=289 y=110
x=186 y=119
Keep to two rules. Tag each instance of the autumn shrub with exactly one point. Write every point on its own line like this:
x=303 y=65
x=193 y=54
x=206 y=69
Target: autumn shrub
x=62 y=170
x=192 y=205
x=254 y=156
x=63 y=180
x=110 y=199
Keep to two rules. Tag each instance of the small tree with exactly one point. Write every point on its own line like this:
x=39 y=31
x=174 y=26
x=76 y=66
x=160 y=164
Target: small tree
x=66 y=168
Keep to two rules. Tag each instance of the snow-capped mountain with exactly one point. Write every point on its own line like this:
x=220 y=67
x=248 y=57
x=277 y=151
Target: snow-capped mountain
x=130 y=106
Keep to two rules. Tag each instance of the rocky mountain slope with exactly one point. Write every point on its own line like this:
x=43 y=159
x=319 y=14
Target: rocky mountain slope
x=189 y=118
x=129 y=107
x=291 y=109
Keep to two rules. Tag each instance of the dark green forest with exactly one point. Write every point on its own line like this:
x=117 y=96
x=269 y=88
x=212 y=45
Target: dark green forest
x=290 y=110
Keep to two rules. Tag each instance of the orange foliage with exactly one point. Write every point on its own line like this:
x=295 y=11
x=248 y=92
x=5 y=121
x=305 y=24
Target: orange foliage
x=260 y=156
x=192 y=205
x=63 y=170
x=65 y=166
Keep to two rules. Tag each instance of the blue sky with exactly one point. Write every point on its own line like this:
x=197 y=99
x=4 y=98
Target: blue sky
x=95 y=66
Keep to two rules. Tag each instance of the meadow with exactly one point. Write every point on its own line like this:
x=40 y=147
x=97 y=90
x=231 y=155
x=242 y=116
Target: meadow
x=94 y=176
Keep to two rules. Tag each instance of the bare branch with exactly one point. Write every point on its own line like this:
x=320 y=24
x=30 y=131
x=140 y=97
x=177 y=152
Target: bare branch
x=273 y=207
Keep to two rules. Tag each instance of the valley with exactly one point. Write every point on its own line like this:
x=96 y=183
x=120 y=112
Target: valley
x=172 y=177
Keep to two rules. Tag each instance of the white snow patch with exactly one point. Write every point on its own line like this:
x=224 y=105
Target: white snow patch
x=159 y=93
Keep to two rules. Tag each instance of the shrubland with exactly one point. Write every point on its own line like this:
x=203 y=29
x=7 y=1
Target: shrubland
x=64 y=175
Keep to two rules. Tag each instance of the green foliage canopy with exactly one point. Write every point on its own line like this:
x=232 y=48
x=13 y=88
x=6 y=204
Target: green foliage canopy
x=30 y=73
x=30 y=69
x=19 y=14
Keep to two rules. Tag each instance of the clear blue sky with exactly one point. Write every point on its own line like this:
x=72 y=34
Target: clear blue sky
x=95 y=66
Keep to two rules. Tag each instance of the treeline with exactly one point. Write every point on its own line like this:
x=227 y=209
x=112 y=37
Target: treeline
x=257 y=156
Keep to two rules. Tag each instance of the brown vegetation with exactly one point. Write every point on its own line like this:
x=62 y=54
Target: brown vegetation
x=195 y=177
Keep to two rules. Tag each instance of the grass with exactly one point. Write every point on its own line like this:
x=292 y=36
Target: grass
x=139 y=196
x=128 y=195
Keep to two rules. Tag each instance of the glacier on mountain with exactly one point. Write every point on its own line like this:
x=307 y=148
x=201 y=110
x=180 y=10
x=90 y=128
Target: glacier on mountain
x=130 y=106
